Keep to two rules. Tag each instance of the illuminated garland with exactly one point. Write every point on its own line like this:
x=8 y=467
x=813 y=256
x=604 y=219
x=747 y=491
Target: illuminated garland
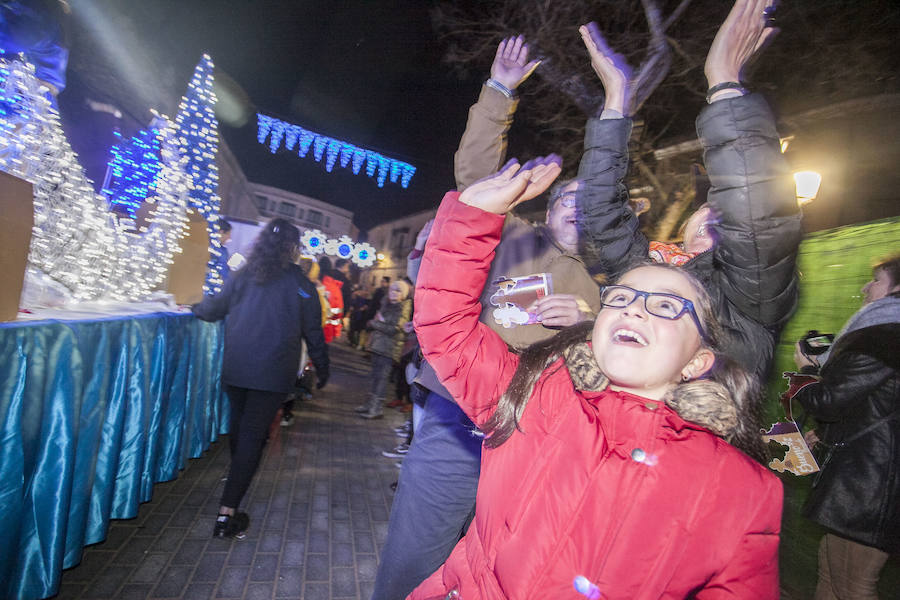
x=361 y=253
x=334 y=151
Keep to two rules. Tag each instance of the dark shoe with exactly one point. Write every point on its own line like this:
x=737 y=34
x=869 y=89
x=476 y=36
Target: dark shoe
x=287 y=420
x=232 y=526
x=394 y=487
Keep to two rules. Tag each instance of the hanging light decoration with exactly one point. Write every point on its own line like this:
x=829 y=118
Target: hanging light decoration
x=278 y=131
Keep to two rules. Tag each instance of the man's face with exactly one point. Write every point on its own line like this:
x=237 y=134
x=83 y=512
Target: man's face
x=698 y=236
x=561 y=218
x=880 y=286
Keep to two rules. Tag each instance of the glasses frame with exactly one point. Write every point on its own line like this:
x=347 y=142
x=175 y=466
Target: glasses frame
x=567 y=199
x=687 y=306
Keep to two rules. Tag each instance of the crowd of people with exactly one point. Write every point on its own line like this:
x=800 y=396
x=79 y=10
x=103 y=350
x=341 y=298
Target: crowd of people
x=585 y=404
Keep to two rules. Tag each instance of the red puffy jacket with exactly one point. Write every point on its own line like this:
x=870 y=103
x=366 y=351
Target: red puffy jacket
x=607 y=485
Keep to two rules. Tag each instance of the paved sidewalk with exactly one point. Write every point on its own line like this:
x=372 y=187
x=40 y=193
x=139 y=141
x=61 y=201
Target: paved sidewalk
x=318 y=507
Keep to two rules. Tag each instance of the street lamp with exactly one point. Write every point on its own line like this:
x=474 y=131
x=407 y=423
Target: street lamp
x=807 y=183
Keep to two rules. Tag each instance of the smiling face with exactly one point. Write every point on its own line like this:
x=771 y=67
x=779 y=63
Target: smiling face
x=561 y=218
x=645 y=354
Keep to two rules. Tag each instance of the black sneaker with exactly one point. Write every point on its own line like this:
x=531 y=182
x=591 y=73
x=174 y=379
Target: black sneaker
x=232 y=526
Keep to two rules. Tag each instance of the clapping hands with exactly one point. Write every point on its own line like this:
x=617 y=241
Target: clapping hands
x=611 y=67
x=513 y=184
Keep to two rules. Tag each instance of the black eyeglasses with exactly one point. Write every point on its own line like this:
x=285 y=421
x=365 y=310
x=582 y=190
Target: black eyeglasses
x=665 y=306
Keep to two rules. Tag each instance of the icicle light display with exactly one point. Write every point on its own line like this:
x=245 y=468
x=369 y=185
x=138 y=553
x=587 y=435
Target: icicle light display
x=333 y=150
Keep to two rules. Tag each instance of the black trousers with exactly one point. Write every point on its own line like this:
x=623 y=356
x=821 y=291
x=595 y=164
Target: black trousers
x=252 y=412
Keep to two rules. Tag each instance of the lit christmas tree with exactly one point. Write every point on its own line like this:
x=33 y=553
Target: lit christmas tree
x=76 y=241
x=133 y=170
x=197 y=133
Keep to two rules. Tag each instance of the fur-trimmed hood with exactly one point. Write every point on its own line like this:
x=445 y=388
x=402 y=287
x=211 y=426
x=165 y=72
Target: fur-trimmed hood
x=703 y=402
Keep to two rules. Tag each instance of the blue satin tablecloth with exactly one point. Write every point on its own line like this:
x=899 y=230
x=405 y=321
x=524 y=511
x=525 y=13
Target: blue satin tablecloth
x=92 y=414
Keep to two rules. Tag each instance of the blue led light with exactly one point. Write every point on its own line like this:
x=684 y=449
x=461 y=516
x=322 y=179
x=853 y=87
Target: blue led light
x=334 y=151
x=134 y=166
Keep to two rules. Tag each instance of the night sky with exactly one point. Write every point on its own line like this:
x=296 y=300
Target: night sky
x=369 y=73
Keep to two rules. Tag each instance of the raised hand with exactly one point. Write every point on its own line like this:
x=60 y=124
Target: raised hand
x=613 y=70
x=422 y=237
x=511 y=65
x=744 y=32
x=513 y=184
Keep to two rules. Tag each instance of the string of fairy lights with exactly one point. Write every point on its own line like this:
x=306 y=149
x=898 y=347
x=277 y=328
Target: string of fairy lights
x=159 y=175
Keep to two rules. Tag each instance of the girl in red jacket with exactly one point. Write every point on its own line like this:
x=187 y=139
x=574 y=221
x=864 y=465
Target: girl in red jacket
x=617 y=461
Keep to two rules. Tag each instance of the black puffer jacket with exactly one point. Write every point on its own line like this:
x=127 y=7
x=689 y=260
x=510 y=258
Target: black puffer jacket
x=750 y=272
x=857 y=406
x=264 y=325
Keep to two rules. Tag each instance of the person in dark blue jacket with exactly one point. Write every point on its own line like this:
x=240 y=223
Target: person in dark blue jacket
x=269 y=306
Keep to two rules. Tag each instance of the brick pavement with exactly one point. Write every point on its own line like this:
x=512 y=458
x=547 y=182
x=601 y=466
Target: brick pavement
x=318 y=507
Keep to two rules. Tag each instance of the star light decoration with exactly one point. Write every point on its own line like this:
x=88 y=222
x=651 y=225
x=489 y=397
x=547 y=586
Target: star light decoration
x=361 y=253
x=334 y=151
x=75 y=239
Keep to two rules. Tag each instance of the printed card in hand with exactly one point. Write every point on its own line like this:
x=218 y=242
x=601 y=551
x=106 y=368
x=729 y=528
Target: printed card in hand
x=513 y=296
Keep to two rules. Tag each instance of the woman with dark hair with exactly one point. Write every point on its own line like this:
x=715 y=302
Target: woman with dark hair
x=269 y=306
x=622 y=457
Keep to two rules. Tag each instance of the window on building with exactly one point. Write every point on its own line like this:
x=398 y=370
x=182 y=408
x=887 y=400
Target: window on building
x=299 y=213
x=262 y=202
x=398 y=238
x=287 y=209
x=314 y=217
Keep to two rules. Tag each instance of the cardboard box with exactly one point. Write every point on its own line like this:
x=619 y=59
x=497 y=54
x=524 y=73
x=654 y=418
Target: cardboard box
x=16 y=223
x=188 y=272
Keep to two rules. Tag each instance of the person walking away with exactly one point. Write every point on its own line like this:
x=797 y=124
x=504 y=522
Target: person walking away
x=269 y=308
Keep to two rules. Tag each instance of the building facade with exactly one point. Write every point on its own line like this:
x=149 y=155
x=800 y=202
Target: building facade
x=393 y=241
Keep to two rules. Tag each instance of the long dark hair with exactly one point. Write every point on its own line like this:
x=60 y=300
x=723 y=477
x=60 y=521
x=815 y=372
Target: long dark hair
x=742 y=388
x=273 y=250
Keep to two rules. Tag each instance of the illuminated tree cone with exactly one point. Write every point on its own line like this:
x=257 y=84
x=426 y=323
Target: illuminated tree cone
x=75 y=240
x=198 y=138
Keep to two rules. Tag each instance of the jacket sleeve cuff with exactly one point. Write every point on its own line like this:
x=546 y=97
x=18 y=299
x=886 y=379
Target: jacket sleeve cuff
x=495 y=104
x=608 y=133
x=726 y=120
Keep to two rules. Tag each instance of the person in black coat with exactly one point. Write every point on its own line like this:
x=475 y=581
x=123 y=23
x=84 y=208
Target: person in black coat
x=856 y=403
x=269 y=306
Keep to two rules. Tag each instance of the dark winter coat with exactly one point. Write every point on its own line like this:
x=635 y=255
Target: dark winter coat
x=388 y=335
x=857 y=406
x=264 y=325
x=750 y=272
